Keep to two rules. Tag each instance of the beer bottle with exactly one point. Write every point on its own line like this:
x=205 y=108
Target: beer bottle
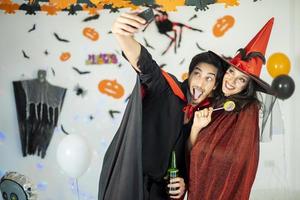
x=172 y=170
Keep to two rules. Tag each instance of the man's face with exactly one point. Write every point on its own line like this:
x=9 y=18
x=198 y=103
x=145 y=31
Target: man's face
x=202 y=82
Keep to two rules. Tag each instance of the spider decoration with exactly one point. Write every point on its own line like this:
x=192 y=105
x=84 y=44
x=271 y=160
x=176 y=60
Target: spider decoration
x=80 y=91
x=165 y=25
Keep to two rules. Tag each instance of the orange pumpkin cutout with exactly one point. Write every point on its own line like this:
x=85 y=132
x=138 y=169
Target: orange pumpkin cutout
x=65 y=56
x=223 y=25
x=111 y=88
x=184 y=76
x=90 y=33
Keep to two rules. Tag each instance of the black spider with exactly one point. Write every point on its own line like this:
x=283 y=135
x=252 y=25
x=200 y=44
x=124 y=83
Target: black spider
x=165 y=25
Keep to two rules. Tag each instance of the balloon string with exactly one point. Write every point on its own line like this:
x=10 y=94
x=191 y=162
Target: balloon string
x=77 y=188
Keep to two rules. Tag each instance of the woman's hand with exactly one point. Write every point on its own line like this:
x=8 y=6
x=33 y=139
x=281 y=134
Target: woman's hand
x=176 y=188
x=202 y=118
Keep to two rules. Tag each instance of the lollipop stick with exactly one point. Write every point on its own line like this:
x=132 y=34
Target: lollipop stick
x=215 y=109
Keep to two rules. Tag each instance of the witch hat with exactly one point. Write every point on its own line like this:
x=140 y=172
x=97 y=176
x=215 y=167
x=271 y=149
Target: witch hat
x=250 y=59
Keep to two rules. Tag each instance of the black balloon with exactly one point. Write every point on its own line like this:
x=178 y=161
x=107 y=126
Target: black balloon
x=283 y=86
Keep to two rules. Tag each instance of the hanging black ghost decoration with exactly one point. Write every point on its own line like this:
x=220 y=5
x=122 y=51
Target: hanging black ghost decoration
x=38 y=106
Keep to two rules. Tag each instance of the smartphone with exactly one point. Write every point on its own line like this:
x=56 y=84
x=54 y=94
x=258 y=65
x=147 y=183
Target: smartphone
x=147 y=15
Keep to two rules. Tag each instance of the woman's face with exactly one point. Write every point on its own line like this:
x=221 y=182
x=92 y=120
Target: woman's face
x=234 y=81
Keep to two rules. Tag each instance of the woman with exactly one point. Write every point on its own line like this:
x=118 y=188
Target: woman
x=224 y=155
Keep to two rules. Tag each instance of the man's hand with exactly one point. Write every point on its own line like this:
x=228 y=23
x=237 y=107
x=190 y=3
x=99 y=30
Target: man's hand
x=178 y=187
x=128 y=24
x=124 y=27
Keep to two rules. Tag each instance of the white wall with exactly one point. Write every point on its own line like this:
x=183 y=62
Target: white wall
x=295 y=148
x=278 y=176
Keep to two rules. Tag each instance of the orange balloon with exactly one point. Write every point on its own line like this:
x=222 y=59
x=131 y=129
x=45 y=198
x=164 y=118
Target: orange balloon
x=278 y=64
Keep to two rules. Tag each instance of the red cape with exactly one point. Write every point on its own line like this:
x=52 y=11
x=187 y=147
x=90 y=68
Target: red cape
x=224 y=159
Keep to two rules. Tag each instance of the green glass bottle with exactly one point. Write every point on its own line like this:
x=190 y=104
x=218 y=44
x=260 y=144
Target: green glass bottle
x=173 y=171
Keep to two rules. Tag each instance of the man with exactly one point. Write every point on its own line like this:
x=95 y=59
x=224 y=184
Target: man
x=163 y=118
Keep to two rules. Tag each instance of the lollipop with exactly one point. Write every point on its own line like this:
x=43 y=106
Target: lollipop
x=227 y=106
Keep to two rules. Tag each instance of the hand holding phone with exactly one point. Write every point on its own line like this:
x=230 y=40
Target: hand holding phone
x=147 y=15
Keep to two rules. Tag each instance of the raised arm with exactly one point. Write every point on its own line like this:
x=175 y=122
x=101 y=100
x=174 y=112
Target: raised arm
x=124 y=28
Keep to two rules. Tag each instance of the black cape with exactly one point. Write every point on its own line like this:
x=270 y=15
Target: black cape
x=122 y=164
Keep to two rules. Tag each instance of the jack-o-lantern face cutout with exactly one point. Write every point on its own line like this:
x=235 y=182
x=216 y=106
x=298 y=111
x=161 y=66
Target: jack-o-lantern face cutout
x=222 y=25
x=111 y=88
x=65 y=56
x=90 y=33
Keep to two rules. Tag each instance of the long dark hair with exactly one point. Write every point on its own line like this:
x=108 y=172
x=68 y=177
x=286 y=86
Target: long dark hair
x=242 y=99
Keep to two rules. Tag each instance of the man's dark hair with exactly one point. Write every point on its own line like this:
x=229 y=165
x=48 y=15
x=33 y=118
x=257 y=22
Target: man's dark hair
x=211 y=58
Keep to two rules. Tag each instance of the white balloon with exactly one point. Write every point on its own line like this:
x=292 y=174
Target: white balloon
x=73 y=155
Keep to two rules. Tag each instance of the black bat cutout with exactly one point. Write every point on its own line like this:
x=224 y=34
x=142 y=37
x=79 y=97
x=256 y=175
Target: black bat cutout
x=60 y=39
x=199 y=47
x=63 y=130
x=94 y=17
x=81 y=72
x=193 y=17
x=112 y=112
x=73 y=9
x=25 y=55
x=32 y=29
x=30 y=8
